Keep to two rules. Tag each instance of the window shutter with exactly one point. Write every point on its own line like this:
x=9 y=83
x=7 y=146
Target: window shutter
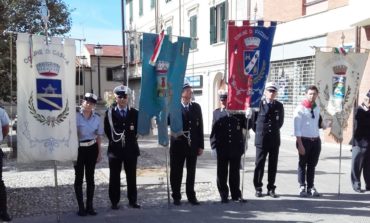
x=152 y=4
x=169 y=31
x=212 y=25
x=131 y=11
x=193 y=31
x=222 y=21
x=140 y=7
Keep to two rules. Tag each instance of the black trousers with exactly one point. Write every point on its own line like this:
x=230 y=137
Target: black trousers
x=261 y=153
x=177 y=161
x=86 y=161
x=115 y=167
x=228 y=166
x=3 y=206
x=360 y=163
x=307 y=163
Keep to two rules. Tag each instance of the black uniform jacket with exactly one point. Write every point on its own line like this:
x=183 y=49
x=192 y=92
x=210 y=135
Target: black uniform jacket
x=129 y=125
x=361 y=136
x=227 y=135
x=192 y=122
x=267 y=123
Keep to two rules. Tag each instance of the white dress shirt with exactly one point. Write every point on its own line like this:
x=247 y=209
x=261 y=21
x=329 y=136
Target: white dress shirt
x=304 y=124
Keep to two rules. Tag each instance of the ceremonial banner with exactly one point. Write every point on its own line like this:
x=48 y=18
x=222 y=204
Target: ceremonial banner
x=161 y=85
x=338 y=78
x=46 y=127
x=249 y=63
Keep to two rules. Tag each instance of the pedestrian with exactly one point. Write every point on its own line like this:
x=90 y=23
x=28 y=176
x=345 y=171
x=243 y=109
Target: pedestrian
x=4 y=122
x=267 y=122
x=90 y=130
x=120 y=126
x=307 y=121
x=186 y=147
x=361 y=146
x=228 y=142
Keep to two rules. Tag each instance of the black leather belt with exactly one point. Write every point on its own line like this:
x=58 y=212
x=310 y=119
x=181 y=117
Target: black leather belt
x=311 y=138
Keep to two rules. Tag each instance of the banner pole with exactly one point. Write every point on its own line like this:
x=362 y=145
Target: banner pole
x=56 y=190
x=340 y=166
x=167 y=177
x=243 y=163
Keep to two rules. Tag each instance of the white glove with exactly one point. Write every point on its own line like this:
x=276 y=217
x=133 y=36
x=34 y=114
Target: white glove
x=214 y=153
x=248 y=113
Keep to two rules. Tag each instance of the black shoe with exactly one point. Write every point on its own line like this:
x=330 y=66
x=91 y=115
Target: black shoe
x=239 y=199
x=258 y=193
x=194 y=201
x=177 y=202
x=115 y=206
x=91 y=211
x=81 y=212
x=367 y=188
x=5 y=217
x=224 y=200
x=272 y=194
x=135 y=205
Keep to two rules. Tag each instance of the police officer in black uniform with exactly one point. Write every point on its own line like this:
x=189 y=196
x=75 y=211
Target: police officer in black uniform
x=186 y=147
x=120 y=126
x=228 y=141
x=268 y=121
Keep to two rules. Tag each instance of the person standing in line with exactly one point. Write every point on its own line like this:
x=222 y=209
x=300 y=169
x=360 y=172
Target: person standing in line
x=186 y=147
x=4 y=122
x=89 y=130
x=267 y=123
x=361 y=146
x=120 y=126
x=307 y=121
x=228 y=142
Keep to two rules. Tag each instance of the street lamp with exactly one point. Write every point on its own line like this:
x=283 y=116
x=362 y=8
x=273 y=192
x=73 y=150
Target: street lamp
x=98 y=50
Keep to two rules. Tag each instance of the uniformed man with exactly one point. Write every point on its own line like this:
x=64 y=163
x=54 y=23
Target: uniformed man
x=4 y=123
x=361 y=146
x=90 y=130
x=120 y=126
x=186 y=148
x=227 y=140
x=267 y=123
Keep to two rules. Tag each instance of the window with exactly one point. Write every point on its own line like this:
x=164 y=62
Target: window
x=140 y=7
x=193 y=32
x=109 y=74
x=131 y=11
x=310 y=7
x=152 y=4
x=217 y=23
x=79 y=78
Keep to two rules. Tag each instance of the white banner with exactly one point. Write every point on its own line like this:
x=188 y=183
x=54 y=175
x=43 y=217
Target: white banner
x=46 y=127
x=338 y=78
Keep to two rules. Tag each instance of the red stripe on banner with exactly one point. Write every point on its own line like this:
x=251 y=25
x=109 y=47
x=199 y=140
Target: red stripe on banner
x=157 y=48
x=240 y=82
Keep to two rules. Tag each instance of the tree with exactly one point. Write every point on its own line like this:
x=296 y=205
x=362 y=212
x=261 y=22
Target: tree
x=24 y=16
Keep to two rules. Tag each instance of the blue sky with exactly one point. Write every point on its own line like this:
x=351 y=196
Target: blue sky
x=96 y=20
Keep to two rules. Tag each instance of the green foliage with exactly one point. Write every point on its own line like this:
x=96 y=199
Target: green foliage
x=24 y=16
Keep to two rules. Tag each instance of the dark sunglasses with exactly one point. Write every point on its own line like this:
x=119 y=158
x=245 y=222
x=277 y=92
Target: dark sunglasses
x=122 y=96
x=313 y=114
x=271 y=91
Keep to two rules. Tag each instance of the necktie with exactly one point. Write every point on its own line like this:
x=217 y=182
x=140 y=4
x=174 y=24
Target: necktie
x=123 y=113
x=187 y=108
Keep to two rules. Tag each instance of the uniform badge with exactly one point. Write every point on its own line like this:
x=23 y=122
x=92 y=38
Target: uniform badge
x=132 y=127
x=197 y=123
x=238 y=127
x=277 y=118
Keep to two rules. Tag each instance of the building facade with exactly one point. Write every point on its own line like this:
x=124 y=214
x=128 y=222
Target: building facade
x=301 y=25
